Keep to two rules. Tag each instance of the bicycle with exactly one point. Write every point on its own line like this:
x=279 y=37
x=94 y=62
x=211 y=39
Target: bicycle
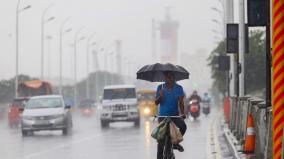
x=168 y=152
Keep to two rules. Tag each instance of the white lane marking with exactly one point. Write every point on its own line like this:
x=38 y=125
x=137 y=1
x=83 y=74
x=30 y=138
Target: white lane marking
x=62 y=146
x=209 y=147
x=217 y=143
x=213 y=145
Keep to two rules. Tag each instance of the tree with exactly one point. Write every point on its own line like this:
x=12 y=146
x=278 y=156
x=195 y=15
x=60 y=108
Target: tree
x=255 y=73
x=7 y=88
x=254 y=65
x=97 y=82
x=219 y=77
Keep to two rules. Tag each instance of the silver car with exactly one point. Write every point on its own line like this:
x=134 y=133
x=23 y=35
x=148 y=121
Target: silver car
x=46 y=112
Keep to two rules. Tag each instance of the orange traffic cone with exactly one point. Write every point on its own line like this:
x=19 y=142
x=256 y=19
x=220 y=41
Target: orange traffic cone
x=250 y=136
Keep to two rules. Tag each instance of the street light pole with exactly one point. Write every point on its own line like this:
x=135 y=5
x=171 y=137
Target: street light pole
x=43 y=21
x=17 y=45
x=242 y=46
x=96 y=70
x=49 y=38
x=111 y=67
x=60 y=52
x=17 y=49
x=88 y=69
x=75 y=65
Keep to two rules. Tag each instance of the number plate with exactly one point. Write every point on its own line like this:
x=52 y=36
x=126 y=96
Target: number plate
x=41 y=122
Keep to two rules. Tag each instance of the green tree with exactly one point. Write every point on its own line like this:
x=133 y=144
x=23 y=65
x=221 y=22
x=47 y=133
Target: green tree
x=7 y=88
x=254 y=65
x=97 y=82
x=255 y=73
x=219 y=82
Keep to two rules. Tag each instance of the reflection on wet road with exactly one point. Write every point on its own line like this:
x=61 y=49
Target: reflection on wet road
x=88 y=141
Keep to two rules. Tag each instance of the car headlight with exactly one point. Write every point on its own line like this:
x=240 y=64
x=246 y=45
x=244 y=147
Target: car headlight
x=107 y=108
x=28 y=118
x=147 y=110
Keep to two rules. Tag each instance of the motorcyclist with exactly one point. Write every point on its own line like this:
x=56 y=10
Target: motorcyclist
x=195 y=96
x=170 y=96
x=206 y=98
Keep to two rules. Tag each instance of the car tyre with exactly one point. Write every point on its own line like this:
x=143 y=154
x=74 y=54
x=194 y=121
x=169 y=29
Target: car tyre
x=24 y=132
x=65 y=131
x=104 y=124
x=137 y=122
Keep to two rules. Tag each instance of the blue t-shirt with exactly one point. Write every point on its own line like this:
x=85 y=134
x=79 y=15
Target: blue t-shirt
x=169 y=102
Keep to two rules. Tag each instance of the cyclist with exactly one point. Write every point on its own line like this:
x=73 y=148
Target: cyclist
x=170 y=96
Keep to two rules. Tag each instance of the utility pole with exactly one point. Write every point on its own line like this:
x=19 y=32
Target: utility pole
x=43 y=21
x=18 y=10
x=61 y=33
x=75 y=63
x=242 y=47
x=88 y=65
x=49 y=38
x=118 y=51
x=233 y=57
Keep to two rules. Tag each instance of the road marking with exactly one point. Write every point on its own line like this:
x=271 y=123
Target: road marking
x=63 y=146
x=213 y=145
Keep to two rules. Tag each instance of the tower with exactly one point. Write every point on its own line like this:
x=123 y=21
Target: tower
x=169 y=39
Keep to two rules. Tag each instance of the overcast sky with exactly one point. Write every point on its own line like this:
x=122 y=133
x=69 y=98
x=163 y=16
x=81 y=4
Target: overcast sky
x=127 y=20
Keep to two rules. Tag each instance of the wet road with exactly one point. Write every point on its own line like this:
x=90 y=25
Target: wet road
x=88 y=141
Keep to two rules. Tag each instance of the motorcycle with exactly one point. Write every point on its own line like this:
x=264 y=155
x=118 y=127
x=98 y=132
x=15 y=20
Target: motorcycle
x=194 y=108
x=206 y=108
x=87 y=112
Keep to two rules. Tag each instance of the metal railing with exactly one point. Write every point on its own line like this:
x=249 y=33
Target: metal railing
x=239 y=111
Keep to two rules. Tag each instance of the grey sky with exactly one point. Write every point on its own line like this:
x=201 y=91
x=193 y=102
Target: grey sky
x=128 y=20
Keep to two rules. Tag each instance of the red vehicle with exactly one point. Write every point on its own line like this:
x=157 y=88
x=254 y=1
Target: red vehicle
x=15 y=110
x=25 y=91
x=194 y=108
x=87 y=107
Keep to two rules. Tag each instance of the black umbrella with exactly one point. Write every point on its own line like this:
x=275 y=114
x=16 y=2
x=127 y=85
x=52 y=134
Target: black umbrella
x=155 y=72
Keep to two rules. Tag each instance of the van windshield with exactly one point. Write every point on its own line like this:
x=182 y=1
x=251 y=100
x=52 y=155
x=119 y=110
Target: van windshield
x=121 y=93
x=146 y=96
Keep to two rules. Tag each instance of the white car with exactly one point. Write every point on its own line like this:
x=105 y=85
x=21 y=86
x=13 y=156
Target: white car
x=47 y=112
x=119 y=103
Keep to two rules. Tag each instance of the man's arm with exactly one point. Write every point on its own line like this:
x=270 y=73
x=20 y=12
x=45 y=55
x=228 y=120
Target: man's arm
x=158 y=98
x=181 y=106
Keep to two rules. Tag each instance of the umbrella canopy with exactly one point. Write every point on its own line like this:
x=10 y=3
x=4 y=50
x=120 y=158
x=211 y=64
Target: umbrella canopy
x=155 y=72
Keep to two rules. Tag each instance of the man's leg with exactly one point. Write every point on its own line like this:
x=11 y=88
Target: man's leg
x=160 y=150
x=182 y=127
x=160 y=147
x=180 y=124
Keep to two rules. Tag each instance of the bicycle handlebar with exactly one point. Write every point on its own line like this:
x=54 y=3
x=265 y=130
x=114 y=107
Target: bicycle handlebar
x=156 y=116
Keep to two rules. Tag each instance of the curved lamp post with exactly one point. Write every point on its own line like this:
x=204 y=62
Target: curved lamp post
x=75 y=62
x=43 y=22
x=60 y=50
x=87 y=63
x=18 y=10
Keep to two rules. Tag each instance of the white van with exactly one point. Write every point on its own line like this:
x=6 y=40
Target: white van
x=119 y=104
